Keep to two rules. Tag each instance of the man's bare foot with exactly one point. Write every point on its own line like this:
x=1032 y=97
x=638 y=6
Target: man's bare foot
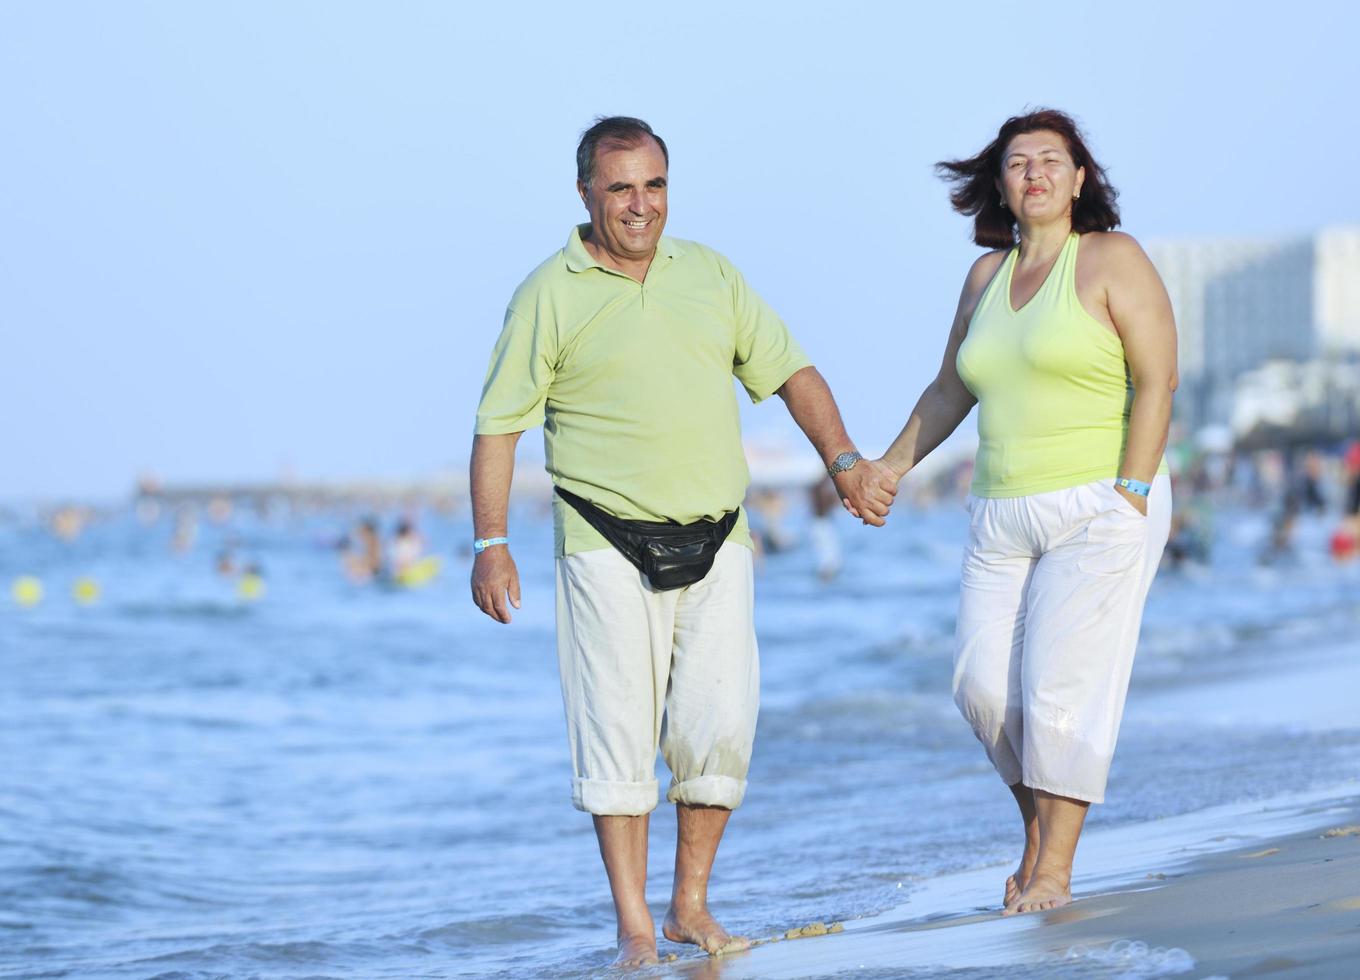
x=637 y=950
x=701 y=929
x=1044 y=891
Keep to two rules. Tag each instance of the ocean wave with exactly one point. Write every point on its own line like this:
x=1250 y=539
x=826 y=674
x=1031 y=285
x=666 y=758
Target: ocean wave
x=194 y=609
x=500 y=929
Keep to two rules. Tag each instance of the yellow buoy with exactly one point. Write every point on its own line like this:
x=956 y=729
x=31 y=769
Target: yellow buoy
x=85 y=591
x=250 y=587
x=419 y=573
x=27 y=591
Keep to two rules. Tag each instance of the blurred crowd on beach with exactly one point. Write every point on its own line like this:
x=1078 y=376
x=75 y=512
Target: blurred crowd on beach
x=377 y=539
x=1318 y=482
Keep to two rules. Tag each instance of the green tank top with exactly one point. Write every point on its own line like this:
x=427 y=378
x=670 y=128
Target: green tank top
x=1052 y=386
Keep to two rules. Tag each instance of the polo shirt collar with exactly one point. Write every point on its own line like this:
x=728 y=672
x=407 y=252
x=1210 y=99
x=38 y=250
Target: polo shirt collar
x=579 y=260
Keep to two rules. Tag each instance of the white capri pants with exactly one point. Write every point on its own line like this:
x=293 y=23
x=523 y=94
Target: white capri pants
x=1052 y=602
x=642 y=668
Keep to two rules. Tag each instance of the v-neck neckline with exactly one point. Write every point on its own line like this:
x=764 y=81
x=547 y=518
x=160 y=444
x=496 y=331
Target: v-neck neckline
x=1010 y=277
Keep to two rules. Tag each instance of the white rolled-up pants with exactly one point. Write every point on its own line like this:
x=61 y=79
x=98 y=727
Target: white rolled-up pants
x=1051 y=605
x=642 y=668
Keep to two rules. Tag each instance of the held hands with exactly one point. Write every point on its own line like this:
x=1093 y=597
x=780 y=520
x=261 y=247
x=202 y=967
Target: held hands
x=867 y=490
x=494 y=580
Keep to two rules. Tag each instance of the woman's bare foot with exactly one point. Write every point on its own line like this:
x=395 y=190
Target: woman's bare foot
x=636 y=950
x=701 y=929
x=1019 y=881
x=1044 y=891
x=1016 y=883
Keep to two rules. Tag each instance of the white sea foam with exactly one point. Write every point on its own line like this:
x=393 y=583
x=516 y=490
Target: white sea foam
x=1132 y=959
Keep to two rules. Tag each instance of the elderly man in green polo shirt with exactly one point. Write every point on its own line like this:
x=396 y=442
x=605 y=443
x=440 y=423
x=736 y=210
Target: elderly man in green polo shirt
x=623 y=345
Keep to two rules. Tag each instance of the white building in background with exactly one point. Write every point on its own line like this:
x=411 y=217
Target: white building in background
x=1317 y=399
x=1241 y=304
x=1337 y=295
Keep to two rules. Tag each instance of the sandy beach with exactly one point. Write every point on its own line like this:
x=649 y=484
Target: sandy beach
x=1269 y=888
x=1272 y=890
x=1287 y=907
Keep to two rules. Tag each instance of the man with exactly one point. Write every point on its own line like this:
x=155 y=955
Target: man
x=623 y=346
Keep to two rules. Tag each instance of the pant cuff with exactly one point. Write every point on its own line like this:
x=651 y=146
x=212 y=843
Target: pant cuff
x=1010 y=772
x=1086 y=794
x=723 y=791
x=609 y=799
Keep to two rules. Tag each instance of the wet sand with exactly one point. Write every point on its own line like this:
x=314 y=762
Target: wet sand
x=1263 y=889
x=1290 y=909
x=1271 y=890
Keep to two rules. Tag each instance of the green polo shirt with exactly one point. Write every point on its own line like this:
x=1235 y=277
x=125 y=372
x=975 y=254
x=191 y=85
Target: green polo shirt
x=632 y=383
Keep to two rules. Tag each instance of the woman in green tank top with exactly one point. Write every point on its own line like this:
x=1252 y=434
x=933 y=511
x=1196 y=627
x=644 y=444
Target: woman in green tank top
x=1065 y=340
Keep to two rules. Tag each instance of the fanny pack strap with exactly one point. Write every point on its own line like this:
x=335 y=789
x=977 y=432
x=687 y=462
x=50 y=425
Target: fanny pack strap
x=594 y=516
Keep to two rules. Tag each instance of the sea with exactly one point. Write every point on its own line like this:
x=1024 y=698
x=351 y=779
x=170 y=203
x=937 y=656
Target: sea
x=304 y=776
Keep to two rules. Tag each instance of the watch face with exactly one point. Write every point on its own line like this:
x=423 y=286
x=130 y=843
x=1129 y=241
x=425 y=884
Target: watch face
x=843 y=462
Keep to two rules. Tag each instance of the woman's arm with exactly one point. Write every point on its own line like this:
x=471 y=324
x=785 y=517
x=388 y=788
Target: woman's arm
x=946 y=401
x=1141 y=312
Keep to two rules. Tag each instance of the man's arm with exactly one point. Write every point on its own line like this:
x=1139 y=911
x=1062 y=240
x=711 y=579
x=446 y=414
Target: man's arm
x=494 y=576
x=867 y=489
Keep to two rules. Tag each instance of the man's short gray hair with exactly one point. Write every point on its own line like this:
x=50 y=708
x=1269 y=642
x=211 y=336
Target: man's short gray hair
x=612 y=133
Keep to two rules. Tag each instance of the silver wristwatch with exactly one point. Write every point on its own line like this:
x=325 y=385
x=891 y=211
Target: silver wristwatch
x=843 y=462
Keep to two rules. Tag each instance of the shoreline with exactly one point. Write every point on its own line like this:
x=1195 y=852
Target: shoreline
x=1238 y=890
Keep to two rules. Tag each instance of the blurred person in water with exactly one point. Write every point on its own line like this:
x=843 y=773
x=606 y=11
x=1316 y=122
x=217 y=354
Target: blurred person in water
x=407 y=547
x=623 y=345
x=1351 y=463
x=826 y=544
x=1345 y=540
x=1064 y=339
x=361 y=555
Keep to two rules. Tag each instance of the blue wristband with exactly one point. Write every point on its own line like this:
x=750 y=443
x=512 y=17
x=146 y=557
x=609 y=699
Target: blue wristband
x=481 y=544
x=1134 y=486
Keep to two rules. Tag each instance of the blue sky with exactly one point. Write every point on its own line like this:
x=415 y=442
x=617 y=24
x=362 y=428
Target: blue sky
x=239 y=239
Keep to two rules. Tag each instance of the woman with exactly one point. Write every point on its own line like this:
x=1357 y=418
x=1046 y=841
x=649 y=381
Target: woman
x=1064 y=338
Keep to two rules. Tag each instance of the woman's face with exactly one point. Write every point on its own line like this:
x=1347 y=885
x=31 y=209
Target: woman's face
x=1038 y=178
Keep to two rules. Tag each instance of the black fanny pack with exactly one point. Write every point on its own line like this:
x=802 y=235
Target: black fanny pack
x=671 y=555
